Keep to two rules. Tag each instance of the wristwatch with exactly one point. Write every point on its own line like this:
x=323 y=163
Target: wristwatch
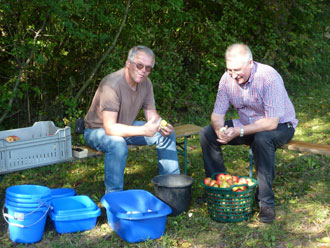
x=242 y=132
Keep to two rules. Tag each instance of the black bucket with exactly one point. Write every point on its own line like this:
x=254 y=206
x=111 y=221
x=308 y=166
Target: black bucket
x=174 y=190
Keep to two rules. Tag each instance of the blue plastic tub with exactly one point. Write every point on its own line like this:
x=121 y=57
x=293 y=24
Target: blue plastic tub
x=136 y=215
x=74 y=214
x=62 y=192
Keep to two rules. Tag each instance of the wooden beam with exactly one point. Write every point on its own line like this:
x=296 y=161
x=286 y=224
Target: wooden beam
x=301 y=146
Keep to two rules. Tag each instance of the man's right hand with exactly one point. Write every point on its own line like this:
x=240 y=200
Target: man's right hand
x=151 y=127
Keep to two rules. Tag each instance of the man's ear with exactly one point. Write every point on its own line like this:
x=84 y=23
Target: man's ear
x=127 y=63
x=251 y=63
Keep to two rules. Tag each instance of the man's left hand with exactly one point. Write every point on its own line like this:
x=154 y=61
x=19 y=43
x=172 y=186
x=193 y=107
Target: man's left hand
x=166 y=131
x=228 y=135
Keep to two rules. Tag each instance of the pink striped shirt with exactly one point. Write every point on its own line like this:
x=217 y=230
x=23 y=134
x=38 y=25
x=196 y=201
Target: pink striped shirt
x=262 y=96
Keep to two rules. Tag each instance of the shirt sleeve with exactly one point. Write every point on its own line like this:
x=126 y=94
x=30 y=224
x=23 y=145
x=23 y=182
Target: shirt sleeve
x=221 y=104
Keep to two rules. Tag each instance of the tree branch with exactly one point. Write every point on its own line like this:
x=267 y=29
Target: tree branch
x=20 y=73
x=89 y=80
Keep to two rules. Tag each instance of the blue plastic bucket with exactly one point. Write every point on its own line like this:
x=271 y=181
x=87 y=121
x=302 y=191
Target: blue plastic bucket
x=26 y=225
x=27 y=208
x=11 y=203
x=28 y=193
x=62 y=192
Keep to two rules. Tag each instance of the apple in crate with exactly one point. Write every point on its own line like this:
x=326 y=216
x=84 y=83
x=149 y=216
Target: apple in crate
x=12 y=138
x=207 y=180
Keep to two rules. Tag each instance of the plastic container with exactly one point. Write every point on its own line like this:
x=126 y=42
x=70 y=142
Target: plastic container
x=62 y=192
x=28 y=193
x=174 y=190
x=74 y=214
x=27 y=207
x=39 y=145
x=226 y=205
x=136 y=215
x=26 y=225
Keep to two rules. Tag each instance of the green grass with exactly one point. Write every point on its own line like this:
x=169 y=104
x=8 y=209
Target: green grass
x=301 y=187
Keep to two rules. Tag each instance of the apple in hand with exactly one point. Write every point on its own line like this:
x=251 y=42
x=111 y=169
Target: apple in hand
x=163 y=124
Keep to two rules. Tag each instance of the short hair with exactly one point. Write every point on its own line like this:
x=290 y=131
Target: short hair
x=132 y=53
x=239 y=50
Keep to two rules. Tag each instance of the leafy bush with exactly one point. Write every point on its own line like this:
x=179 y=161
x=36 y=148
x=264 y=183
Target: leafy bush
x=54 y=54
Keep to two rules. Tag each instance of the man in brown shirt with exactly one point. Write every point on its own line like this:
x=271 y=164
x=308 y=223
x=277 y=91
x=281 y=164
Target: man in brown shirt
x=110 y=122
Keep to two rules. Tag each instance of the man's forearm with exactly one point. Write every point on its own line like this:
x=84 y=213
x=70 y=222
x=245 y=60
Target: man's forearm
x=123 y=130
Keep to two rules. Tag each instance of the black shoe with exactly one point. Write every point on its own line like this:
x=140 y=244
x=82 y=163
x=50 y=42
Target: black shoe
x=266 y=214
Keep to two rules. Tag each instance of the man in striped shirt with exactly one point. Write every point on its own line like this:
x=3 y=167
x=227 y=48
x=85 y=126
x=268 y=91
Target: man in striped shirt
x=266 y=120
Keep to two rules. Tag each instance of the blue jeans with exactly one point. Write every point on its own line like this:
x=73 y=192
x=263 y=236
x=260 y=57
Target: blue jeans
x=263 y=144
x=115 y=149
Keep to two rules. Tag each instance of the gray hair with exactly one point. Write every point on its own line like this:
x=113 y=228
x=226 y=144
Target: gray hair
x=239 y=50
x=132 y=53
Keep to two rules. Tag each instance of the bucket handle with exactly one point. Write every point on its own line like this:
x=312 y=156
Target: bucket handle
x=5 y=215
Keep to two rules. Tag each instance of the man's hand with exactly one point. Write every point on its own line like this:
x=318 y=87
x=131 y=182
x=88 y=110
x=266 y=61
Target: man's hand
x=224 y=136
x=151 y=127
x=167 y=130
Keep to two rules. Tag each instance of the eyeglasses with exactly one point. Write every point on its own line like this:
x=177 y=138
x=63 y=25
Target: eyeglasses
x=235 y=71
x=139 y=66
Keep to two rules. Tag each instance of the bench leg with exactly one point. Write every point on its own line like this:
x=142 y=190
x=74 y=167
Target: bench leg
x=185 y=155
x=251 y=162
x=182 y=150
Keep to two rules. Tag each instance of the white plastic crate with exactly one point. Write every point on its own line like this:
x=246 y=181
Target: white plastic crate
x=39 y=145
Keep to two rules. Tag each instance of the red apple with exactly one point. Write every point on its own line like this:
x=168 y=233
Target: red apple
x=235 y=179
x=12 y=138
x=207 y=180
x=250 y=182
x=220 y=175
x=242 y=181
x=213 y=182
x=228 y=176
x=230 y=181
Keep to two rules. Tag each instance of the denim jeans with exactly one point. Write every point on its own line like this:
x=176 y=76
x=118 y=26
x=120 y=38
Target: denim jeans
x=263 y=144
x=115 y=149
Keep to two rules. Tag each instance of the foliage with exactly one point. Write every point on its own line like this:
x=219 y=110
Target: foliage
x=50 y=49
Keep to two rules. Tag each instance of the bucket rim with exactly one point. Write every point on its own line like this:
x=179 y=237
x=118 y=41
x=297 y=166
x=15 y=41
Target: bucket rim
x=45 y=192
x=158 y=184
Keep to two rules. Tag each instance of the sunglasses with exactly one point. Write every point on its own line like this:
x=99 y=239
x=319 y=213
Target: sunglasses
x=139 y=66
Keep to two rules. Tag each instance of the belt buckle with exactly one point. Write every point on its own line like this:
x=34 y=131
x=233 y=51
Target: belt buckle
x=289 y=124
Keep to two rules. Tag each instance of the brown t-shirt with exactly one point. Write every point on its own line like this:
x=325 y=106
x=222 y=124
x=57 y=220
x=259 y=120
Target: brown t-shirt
x=114 y=94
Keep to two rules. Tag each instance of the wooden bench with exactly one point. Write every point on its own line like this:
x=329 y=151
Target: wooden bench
x=182 y=131
x=300 y=146
x=187 y=130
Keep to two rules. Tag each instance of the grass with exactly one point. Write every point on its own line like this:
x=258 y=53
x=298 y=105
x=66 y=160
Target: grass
x=301 y=187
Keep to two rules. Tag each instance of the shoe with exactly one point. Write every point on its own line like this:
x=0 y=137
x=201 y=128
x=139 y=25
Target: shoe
x=266 y=214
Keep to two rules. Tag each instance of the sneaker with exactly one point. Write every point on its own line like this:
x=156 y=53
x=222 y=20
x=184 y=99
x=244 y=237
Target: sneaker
x=266 y=214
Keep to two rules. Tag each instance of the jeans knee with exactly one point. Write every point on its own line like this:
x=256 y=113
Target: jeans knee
x=117 y=146
x=204 y=134
x=262 y=139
